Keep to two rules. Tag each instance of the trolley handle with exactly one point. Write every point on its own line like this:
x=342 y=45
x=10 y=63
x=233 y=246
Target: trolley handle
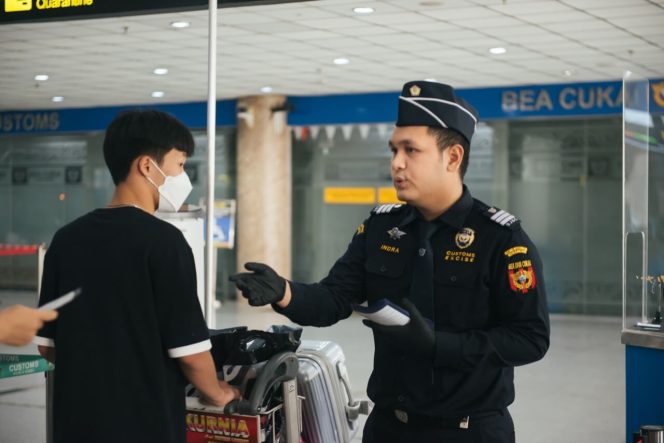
x=278 y=369
x=354 y=407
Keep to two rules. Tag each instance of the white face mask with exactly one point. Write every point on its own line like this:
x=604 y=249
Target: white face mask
x=173 y=192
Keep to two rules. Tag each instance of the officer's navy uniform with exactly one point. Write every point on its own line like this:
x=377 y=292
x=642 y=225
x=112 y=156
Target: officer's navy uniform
x=489 y=303
x=488 y=306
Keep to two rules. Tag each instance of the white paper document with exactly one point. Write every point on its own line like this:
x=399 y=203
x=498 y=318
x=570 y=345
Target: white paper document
x=384 y=312
x=60 y=301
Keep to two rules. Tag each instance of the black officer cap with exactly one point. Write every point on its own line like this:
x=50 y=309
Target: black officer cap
x=425 y=103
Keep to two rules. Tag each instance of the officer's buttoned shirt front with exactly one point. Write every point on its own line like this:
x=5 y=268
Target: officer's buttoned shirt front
x=490 y=311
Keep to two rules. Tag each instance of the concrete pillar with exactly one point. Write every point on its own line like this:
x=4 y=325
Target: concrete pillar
x=264 y=182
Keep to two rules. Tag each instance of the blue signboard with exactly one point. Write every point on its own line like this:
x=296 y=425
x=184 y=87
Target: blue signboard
x=193 y=115
x=557 y=100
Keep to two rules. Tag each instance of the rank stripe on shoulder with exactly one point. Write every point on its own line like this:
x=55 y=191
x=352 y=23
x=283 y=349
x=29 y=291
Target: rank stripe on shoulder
x=385 y=209
x=503 y=218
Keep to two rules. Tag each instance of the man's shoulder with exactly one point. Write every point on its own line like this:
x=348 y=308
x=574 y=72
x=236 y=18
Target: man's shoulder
x=494 y=217
x=74 y=227
x=389 y=214
x=163 y=227
x=392 y=208
x=165 y=234
x=99 y=223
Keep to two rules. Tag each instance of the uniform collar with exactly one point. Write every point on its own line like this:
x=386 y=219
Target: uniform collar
x=455 y=216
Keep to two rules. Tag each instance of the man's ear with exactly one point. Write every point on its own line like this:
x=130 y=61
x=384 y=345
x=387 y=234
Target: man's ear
x=455 y=154
x=144 y=165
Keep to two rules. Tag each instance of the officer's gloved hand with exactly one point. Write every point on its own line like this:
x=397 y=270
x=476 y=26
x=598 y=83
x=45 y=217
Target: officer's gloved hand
x=416 y=337
x=261 y=287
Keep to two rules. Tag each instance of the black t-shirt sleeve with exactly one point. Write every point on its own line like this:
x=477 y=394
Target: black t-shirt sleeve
x=49 y=291
x=181 y=323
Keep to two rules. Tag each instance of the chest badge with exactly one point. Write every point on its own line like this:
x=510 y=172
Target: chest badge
x=395 y=233
x=464 y=238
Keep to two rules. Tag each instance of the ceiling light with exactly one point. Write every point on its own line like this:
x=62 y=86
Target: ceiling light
x=57 y=98
x=430 y=80
x=158 y=94
x=266 y=89
x=498 y=50
x=41 y=77
x=363 y=10
x=341 y=61
x=180 y=24
x=568 y=73
x=161 y=71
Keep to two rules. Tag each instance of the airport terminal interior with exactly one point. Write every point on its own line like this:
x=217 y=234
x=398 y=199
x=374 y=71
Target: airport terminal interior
x=570 y=139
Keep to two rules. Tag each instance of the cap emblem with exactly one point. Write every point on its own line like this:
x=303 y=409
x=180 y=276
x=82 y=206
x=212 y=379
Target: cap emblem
x=415 y=91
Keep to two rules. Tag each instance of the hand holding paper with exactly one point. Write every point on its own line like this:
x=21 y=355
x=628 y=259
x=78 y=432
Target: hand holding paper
x=61 y=301
x=384 y=312
x=416 y=337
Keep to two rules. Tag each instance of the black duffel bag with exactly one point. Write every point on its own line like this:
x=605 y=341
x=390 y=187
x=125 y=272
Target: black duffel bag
x=240 y=346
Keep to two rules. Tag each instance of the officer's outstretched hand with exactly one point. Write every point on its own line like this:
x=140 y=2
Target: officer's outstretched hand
x=416 y=337
x=262 y=286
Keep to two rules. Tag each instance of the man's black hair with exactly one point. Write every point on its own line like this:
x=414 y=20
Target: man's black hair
x=143 y=132
x=449 y=137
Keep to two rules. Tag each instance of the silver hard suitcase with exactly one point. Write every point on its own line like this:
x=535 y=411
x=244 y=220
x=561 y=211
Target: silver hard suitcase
x=329 y=413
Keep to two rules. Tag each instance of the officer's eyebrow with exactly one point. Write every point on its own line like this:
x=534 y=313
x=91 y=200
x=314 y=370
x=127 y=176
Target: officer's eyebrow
x=403 y=142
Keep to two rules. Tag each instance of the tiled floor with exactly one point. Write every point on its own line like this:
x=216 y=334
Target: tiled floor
x=576 y=394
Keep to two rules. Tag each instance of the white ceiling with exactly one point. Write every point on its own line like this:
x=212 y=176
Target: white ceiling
x=290 y=47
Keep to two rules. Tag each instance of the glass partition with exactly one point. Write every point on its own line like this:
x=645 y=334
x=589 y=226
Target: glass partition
x=643 y=178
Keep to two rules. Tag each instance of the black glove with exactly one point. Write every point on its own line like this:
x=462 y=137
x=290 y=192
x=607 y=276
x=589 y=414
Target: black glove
x=416 y=337
x=261 y=287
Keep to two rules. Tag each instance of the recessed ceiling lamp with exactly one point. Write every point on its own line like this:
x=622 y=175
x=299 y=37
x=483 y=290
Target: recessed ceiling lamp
x=158 y=94
x=266 y=89
x=180 y=24
x=341 y=61
x=430 y=80
x=363 y=10
x=41 y=77
x=161 y=71
x=568 y=73
x=57 y=98
x=497 y=50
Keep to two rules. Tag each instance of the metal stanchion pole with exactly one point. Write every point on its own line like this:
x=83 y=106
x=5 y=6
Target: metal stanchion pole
x=211 y=145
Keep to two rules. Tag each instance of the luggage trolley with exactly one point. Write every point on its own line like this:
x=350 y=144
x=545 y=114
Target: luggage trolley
x=270 y=414
x=273 y=411
x=264 y=367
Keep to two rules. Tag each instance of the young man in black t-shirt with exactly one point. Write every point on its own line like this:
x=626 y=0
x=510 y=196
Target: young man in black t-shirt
x=129 y=343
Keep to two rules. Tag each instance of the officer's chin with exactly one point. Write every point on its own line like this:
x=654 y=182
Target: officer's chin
x=404 y=197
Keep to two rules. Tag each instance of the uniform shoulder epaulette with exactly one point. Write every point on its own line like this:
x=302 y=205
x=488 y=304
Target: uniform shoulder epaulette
x=387 y=209
x=503 y=218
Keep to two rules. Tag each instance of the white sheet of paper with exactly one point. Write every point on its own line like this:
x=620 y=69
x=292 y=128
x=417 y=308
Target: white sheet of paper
x=383 y=313
x=60 y=301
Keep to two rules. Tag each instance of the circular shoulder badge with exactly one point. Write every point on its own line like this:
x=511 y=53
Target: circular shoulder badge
x=464 y=238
